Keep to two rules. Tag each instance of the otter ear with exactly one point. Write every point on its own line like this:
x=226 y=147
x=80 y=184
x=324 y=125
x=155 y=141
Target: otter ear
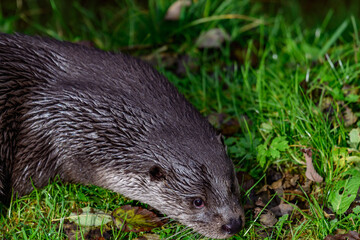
x=220 y=139
x=156 y=173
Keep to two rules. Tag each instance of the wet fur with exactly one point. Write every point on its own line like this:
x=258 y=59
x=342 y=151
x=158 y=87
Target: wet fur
x=108 y=119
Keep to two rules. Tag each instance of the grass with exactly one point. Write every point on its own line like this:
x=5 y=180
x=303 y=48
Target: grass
x=278 y=78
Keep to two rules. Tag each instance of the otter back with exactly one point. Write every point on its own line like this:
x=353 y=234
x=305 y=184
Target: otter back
x=108 y=119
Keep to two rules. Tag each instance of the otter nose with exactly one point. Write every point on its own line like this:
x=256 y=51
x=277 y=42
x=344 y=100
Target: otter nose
x=233 y=226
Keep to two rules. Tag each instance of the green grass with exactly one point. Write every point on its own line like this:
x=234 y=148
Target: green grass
x=278 y=88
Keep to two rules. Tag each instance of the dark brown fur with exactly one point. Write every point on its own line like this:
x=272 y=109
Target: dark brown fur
x=108 y=119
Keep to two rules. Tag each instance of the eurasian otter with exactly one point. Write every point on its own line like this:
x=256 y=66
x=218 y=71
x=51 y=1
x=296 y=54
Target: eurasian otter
x=108 y=119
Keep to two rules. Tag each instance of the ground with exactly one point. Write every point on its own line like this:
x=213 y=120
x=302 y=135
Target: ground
x=280 y=82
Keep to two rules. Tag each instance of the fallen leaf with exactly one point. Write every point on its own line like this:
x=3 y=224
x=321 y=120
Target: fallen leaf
x=345 y=191
x=291 y=180
x=282 y=209
x=74 y=232
x=277 y=184
x=306 y=187
x=173 y=12
x=352 y=235
x=135 y=219
x=268 y=219
x=213 y=38
x=310 y=170
x=328 y=213
x=354 y=138
x=349 y=117
x=89 y=217
x=71 y=231
x=259 y=202
x=263 y=189
x=290 y=195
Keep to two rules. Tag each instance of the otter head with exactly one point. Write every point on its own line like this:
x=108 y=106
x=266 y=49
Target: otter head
x=190 y=181
x=205 y=199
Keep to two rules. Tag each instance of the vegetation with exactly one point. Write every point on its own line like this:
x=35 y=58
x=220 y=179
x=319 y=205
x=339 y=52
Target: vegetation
x=283 y=90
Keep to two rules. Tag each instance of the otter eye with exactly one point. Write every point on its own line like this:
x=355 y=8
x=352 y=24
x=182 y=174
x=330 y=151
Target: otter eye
x=198 y=203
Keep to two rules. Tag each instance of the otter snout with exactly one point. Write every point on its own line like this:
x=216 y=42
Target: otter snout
x=233 y=226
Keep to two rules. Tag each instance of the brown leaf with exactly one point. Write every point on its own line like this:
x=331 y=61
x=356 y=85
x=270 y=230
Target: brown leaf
x=291 y=180
x=328 y=213
x=310 y=170
x=276 y=185
x=260 y=202
x=73 y=232
x=282 y=209
x=268 y=219
x=306 y=186
x=290 y=195
x=173 y=12
x=135 y=219
x=352 y=235
x=228 y=126
x=349 y=117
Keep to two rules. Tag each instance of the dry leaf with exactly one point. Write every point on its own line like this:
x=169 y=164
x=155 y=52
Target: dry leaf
x=328 y=213
x=282 y=209
x=290 y=195
x=278 y=187
x=310 y=170
x=268 y=219
x=263 y=189
x=352 y=235
x=290 y=180
x=306 y=186
x=277 y=184
x=135 y=219
x=212 y=38
x=74 y=232
x=173 y=12
x=349 y=117
x=260 y=202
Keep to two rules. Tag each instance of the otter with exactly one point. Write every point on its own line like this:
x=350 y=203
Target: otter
x=108 y=119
